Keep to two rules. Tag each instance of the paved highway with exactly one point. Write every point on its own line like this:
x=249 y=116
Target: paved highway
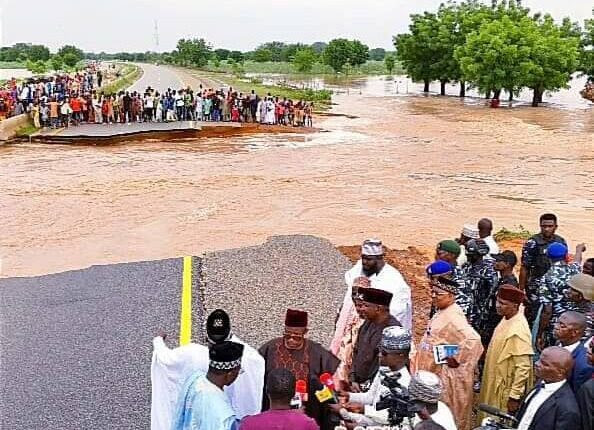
x=76 y=346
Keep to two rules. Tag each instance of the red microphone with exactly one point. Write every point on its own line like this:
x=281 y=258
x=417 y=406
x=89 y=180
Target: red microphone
x=301 y=390
x=328 y=381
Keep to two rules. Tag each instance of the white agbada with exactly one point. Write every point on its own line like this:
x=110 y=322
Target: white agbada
x=270 y=112
x=171 y=367
x=389 y=279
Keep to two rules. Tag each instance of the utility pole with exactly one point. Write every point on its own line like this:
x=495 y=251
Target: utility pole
x=156 y=35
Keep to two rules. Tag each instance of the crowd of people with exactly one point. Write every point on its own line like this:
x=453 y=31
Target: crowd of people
x=70 y=100
x=523 y=345
x=29 y=95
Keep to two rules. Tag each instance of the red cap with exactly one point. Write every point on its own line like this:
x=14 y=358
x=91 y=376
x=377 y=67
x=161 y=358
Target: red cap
x=295 y=318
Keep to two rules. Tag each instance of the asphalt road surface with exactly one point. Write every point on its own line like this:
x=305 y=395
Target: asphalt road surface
x=76 y=346
x=157 y=77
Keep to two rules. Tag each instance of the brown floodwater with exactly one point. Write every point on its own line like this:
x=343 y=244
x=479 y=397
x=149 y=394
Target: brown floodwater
x=408 y=169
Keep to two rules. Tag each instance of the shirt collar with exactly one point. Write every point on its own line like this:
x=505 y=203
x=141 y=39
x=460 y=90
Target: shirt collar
x=553 y=386
x=572 y=347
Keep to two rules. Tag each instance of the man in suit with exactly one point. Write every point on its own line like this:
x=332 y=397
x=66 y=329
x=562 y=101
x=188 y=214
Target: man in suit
x=551 y=405
x=569 y=331
x=585 y=396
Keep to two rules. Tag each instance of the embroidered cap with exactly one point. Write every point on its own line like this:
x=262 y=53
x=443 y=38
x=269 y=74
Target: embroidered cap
x=225 y=355
x=395 y=338
x=425 y=387
x=372 y=247
x=218 y=326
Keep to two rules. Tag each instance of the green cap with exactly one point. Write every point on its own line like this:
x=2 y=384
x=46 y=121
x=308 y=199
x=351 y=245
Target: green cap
x=450 y=246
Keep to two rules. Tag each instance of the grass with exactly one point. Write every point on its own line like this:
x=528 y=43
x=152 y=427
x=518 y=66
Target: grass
x=26 y=130
x=130 y=74
x=505 y=234
x=12 y=65
x=286 y=68
x=320 y=98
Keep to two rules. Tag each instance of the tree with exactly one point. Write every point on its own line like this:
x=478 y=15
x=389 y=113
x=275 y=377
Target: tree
x=261 y=55
x=222 y=54
x=73 y=50
x=337 y=54
x=377 y=54
x=587 y=54
x=237 y=56
x=417 y=50
x=56 y=62
x=319 y=47
x=36 y=67
x=194 y=52
x=498 y=55
x=69 y=59
x=359 y=53
x=554 y=55
x=390 y=63
x=305 y=59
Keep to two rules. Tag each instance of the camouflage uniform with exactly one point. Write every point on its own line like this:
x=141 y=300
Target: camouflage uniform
x=464 y=297
x=535 y=260
x=551 y=291
x=481 y=286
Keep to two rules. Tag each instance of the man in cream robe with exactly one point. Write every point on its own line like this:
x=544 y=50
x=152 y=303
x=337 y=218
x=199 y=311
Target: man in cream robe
x=508 y=366
x=449 y=326
x=381 y=276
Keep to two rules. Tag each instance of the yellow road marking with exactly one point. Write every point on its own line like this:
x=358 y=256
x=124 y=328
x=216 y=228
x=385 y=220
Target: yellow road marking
x=185 y=329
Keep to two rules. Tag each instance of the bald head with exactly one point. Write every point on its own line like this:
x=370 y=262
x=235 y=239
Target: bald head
x=485 y=227
x=554 y=364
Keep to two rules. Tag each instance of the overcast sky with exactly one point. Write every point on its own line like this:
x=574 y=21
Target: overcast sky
x=128 y=25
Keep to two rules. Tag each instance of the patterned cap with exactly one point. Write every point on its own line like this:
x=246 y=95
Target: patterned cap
x=470 y=231
x=425 y=387
x=447 y=284
x=372 y=247
x=225 y=355
x=476 y=246
x=395 y=338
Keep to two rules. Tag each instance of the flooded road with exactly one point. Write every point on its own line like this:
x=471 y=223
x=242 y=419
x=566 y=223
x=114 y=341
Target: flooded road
x=410 y=170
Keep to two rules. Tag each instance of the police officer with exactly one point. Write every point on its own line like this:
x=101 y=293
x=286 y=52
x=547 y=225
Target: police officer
x=535 y=261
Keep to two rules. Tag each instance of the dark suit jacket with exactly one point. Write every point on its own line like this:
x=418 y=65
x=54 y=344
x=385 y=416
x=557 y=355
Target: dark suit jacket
x=582 y=369
x=558 y=412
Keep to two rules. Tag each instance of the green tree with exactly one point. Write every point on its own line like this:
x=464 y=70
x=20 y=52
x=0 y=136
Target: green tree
x=554 y=55
x=237 y=56
x=377 y=54
x=417 y=49
x=36 y=67
x=262 y=55
x=56 y=62
x=390 y=63
x=222 y=54
x=73 y=51
x=193 y=52
x=587 y=54
x=304 y=60
x=337 y=54
x=498 y=55
x=319 y=47
x=69 y=59
x=359 y=53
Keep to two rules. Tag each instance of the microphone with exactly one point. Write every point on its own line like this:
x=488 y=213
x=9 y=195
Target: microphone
x=301 y=390
x=496 y=412
x=322 y=392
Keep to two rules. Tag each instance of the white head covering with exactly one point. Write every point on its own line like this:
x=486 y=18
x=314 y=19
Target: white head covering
x=425 y=386
x=470 y=231
x=372 y=247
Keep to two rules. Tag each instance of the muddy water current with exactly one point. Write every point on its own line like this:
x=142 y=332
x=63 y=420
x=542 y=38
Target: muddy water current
x=406 y=168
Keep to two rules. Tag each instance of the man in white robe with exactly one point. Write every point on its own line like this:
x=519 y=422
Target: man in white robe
x=382 y=276
x=172 y=367
x=202 y=404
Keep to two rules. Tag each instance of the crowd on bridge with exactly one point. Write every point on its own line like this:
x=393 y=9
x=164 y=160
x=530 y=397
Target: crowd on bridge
x=33 y=94
x=522 y=344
